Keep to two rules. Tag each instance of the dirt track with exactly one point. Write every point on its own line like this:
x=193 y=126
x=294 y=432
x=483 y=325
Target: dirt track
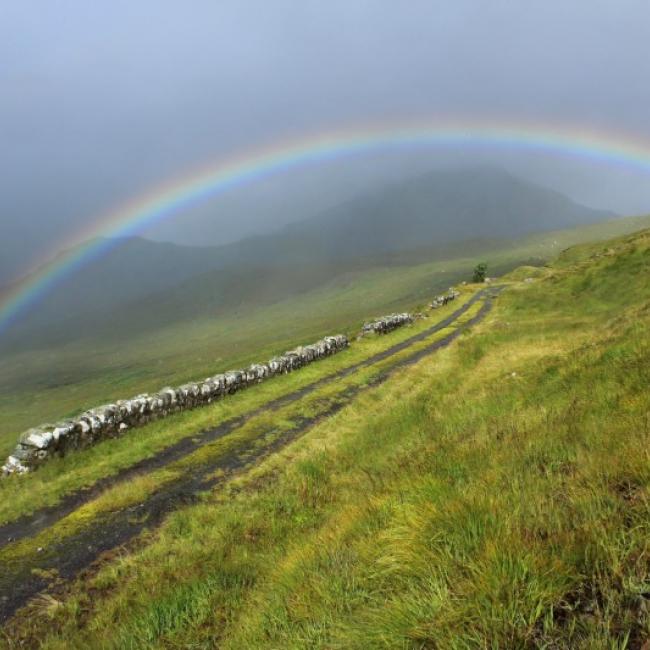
x=18 y=583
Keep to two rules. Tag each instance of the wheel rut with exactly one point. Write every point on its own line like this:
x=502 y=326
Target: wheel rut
x=22 y=580
x=31 y=524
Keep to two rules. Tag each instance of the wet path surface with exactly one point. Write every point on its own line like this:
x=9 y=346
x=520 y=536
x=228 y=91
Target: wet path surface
x=19 y=583
x=33 y=523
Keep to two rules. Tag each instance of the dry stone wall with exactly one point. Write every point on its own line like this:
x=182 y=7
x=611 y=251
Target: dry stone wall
x=387 y=323
x=37 y=445
x=444 y=298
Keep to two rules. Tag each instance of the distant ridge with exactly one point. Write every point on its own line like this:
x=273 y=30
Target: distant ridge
x=432 y=209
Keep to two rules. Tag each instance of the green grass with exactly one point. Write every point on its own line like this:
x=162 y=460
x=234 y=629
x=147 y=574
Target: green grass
x=24 y=496
x=75 y=471
x=44 y=385
x=494 y=495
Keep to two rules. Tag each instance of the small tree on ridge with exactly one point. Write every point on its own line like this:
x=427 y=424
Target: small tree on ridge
x=480 y=271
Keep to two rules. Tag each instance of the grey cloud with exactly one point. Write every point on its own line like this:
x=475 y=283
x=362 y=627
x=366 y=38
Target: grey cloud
x=100 y=101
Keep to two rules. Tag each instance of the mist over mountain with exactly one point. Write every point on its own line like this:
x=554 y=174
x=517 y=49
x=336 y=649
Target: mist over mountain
x=141 y=285
x=434 y=209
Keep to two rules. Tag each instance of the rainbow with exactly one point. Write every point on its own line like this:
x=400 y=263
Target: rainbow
x=209 y=181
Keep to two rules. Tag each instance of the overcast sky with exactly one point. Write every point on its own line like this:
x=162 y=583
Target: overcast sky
x=101 y=100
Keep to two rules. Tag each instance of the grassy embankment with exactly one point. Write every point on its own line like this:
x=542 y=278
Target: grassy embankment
x=75 y=471
x=248 y=440
x=494 y=495
x=22 y=495
x=50 y=384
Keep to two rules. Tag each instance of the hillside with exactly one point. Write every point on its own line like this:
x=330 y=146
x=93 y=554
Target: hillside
x=55 y=380
x=140 y=285
x=133 y=269
x=481 y=483
x=433 y=210
x=440 y=208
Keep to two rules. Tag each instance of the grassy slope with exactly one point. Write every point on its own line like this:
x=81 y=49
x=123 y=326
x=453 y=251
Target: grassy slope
x=80 y=470
x=494 y=495
x=44 y=385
